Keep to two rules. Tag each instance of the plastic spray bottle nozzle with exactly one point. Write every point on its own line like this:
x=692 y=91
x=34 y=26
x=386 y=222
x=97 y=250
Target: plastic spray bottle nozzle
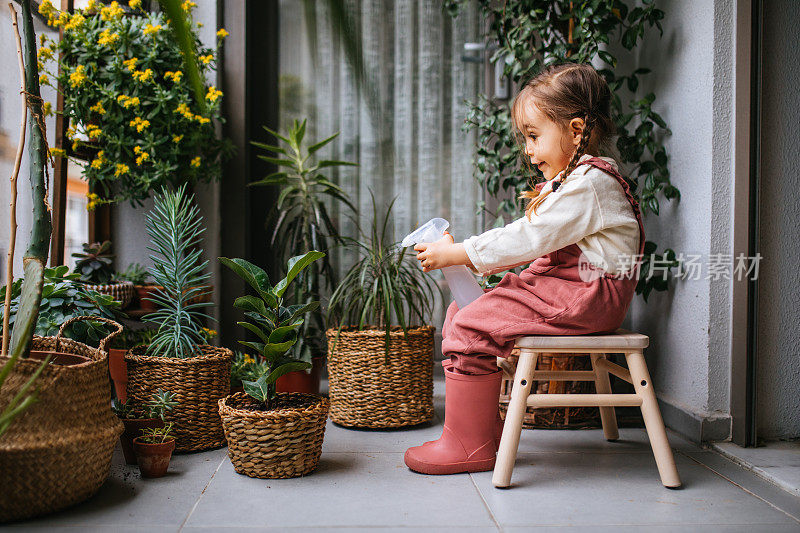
x=431 y=231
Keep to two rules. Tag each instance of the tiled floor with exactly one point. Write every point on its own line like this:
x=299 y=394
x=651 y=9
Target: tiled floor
x=564 y=481
x=777 y=461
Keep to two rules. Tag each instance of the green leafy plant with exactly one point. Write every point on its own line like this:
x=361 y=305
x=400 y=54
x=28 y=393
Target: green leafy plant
x=299 y=221
x=275 y=325
x=245 y=367
x=64 y=297
x=135 y=273
x=131 y=100
x=527 y=35
x=158 y=435
x=175 y=229
x=95 y=263
x=156 y=407
x=384 y=287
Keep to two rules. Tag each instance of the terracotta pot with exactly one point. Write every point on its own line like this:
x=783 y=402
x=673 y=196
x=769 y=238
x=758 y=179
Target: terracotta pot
x=144 y=291
x=153 y=458
x=133 y=429
x=119 y=372
x=302 y=381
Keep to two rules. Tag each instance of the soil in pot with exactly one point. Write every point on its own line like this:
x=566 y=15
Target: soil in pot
x=302 y=381
x=119 y=372
x=133 y=429
x=153 y=458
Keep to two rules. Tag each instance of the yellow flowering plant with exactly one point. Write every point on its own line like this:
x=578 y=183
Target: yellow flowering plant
x=131 y=108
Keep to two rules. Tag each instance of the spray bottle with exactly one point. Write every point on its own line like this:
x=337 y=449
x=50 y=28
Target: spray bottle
x=463 y=285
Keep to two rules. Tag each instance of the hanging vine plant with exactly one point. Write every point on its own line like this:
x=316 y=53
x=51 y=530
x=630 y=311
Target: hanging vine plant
x=527 y=35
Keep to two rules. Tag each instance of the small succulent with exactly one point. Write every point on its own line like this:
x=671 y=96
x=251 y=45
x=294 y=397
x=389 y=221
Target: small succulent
x=135 y=273
x=158 y=435
x=156 y=407
x=275 y=326
x=95 y=263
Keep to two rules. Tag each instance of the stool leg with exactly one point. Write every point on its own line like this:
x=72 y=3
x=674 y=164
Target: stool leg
x=603 y=386
x=509 y=442
x=652 y=420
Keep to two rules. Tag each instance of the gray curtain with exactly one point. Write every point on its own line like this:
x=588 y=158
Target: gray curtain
x=407 y=135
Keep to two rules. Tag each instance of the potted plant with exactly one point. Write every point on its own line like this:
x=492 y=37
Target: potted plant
x=94 y=265
x=118 y=347
x=140 y=277
x=64 y=297
x=299 y=221
x=271 y=434
x=145 y=118
x=177 y=357
x=381 y=374
x=154 y=449
x=136 y=418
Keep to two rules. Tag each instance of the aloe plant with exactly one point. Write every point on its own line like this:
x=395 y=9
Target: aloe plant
x=175 y=229
x=275 y=325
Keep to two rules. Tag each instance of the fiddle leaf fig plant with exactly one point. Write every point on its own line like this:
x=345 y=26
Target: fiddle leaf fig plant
x=273 y=324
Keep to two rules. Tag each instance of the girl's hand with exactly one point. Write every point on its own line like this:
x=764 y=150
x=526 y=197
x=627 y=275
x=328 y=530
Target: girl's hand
x=439 y=254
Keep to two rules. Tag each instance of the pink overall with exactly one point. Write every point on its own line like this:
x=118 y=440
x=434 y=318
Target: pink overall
x=547 y=298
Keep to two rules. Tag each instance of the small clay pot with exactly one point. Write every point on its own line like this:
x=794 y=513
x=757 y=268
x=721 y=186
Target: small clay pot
x=153 y=458
x=133 y=429
x=119 y=372
x=300 y=380
x=143 y=292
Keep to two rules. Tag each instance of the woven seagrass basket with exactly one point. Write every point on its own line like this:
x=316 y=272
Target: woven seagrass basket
x=280 y=443
x=368 y=389
x=556 y=417
x=198 y=382
x=58 y=452
x=121 y=291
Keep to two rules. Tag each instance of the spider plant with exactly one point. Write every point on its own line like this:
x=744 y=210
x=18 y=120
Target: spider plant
x=383 y=288
x=299 y=221
x=175 y=229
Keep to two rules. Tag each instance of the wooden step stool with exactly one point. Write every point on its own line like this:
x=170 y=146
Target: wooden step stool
x=621 y=341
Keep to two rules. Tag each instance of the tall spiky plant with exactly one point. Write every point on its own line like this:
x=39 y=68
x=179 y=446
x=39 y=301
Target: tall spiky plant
x=175 y=229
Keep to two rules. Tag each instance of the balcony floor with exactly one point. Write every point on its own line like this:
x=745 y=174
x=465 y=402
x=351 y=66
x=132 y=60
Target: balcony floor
x=564 y=481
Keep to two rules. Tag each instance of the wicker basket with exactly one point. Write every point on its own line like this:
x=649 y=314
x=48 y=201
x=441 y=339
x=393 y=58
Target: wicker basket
x=281 y=443
x=198 y=382
x=557 y=417
x=58 y=452
x=367 y=389
x=121 y=291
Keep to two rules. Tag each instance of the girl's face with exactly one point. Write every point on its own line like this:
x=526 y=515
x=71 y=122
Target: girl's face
x=548 y=146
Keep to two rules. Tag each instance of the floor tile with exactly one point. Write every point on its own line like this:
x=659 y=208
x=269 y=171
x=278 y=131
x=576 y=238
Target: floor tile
x=596 y=489
x=347 y=489
x=125 y=499
x=777 y=462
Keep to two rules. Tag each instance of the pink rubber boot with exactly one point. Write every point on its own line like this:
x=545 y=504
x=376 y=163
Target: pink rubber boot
x=467 y=443
x=447 y=364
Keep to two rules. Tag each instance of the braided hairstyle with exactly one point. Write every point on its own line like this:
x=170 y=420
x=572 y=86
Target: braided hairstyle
x=563 y=92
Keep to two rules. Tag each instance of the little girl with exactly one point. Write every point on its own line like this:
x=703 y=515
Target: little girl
x=579 y=228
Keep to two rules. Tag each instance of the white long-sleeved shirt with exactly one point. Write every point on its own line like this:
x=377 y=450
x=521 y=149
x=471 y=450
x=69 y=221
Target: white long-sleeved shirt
x=589 y=209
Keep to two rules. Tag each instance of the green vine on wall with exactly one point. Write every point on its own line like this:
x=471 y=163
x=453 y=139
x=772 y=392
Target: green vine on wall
x=528 y=35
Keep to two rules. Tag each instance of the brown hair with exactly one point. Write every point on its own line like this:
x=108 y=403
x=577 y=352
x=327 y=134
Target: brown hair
x=563 y=92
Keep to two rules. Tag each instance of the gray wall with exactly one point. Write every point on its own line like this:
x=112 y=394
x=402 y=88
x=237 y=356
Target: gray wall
x=778 y=375
x=689 y=354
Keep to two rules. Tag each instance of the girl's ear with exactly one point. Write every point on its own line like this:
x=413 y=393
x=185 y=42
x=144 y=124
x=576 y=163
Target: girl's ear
x=575 y=128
